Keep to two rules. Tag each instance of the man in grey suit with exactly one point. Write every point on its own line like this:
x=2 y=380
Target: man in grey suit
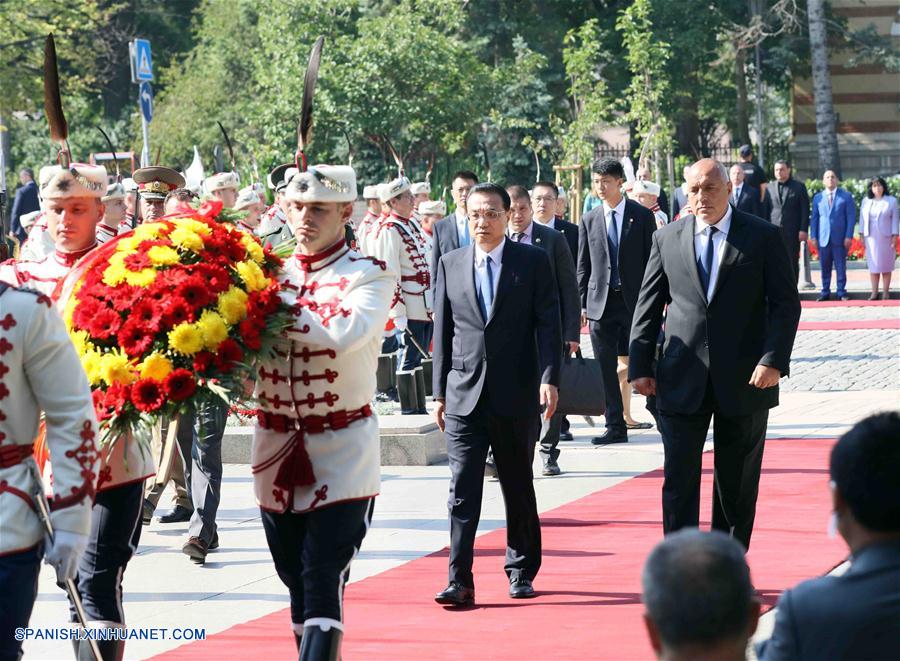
x=732 y=315
x=855 y=615
x=452 y=232
x=497 y=357
x=522 y=229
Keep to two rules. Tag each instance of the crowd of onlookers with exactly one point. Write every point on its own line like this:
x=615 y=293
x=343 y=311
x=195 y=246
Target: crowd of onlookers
x=700 y=602
x=826 y=224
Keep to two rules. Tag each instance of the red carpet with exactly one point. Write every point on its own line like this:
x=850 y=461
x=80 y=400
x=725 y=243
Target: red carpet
x=853 y=324
x=890 y=303
x=589 y=586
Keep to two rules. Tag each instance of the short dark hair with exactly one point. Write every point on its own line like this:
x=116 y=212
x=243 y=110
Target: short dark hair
x=464 y=174
x=608 y=166
x=865 y=464
x=697 y=588
x=745 y=151
x=181 y=194
x=547 y=184
x=872 y=182
x=490 y=188
x=27 y=171
x=783 y=162
x=517 y=192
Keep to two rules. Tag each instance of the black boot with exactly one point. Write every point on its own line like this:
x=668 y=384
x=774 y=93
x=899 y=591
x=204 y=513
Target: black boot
x=383 y=376
x=420 y=391
x=110 y=650
x=406 y=388
x=298 y=640
x=320 y=645
x=427 y=373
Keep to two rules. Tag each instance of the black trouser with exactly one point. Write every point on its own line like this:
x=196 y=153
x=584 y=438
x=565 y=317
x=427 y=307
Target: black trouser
x=605 y=334
x=512 y=440
x=114 y=537
x=312 y=552
x=200 y=445
x=410 y=356
x=18 y=589
x=792 y=243
x=738 y=447
x=550 y=429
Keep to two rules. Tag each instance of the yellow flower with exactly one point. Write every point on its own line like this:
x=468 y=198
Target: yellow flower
x=69 y=311
x=91 y=360
x=163 y=255
x=232 y=304
x=129 y=244
x=114 y=274
x=254 y=250
x=156 y=366
x=116 y=368
x=192 y=225
x=186 y=339
x=142 y=278
x=252 y=275
x=147 y=231
x=80 y=340
x=185 y=238
x=213 y=329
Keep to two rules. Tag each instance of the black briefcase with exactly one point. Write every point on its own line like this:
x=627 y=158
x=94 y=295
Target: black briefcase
x=581 y=387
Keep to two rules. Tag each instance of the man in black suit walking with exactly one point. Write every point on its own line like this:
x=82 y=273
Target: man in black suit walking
x=522 y=229
x=544 y=196
x=452 y=232
x=613 y=249
x=496 y=363
x=733 y=311
x=788 y=208
x=744 y=197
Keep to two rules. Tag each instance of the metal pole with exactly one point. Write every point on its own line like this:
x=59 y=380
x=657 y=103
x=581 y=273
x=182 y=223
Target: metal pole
x=145 y=152
x=760 y=119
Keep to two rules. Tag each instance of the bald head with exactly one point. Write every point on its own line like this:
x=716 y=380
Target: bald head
x=736 y=174
x=708 y=190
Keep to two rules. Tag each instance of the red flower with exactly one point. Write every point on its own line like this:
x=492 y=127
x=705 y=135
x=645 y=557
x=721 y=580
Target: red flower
x=180 y=385
x=122 y=296
x=103 y=413
x=194 y=292
x=249 y=331
x=149 y=313
x=147 y=395
x=209 y=210
x=117 y=395
x=137 y=261
x=104 y=324
x=135 y=337
x=177 y=311
x=203 y=360
x=230 y=353
x=86 y=310
x=217 y=277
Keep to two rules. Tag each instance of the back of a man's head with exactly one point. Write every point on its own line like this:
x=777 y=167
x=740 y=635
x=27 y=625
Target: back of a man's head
x=865 y=469
x=698 y=596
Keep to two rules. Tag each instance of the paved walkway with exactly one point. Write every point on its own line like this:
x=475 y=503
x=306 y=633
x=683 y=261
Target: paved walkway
x=163 y=589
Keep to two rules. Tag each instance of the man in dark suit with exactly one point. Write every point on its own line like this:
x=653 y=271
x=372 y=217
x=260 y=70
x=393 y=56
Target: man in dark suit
x=753 y=174
x=614 y=246
x=496 y=362
x=732 y=315
x=26 y=201
x=744 y=197
x=522 y=229
x=855 y=615
x=544 y=196
x=452 y=232
x=788 y=208
x=679 y=197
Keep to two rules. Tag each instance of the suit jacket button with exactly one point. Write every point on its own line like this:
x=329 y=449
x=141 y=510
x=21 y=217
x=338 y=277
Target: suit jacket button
x=705 y=344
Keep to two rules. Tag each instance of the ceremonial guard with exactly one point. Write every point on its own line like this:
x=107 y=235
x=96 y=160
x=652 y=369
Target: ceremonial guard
x=316 y=457
x=249 y=202
x=40 y=371
x=222 y=186
x=113 y=212
x=132 y=206
x=154 y=183
x=421 y=190
x=368 y=223
x=39 y=243
x=647 y=194
x=273 y=227
x=398 y=243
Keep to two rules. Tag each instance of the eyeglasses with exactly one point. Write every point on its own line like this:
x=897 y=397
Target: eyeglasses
x=490 y=214
x=546 y=198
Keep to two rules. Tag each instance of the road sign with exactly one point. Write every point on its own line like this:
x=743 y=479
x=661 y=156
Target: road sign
x=146 y=102
x=141 y=61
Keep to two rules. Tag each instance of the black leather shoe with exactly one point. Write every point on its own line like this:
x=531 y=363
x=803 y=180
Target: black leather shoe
x=551 y=468
x=521 y=588
x=178 y=515
x=196 y=549
x=147 y=513
x=824 y=297
x=566 y=436
x=456 y=595
x=611 y=436
x=318 y=644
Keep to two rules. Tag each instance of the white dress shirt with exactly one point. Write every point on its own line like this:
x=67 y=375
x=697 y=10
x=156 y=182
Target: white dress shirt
x=462 y=223
x=701 y=238
x=620 y=215
x=550 y=223
x=528 y=233
x=496 y=264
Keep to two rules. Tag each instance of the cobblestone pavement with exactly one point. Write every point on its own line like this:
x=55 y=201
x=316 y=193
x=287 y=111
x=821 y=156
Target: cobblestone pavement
x=839 y=360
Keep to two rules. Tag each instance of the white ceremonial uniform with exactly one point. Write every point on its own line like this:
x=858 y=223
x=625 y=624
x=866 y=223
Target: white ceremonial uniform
x=40 y=371
x=341 y=301
x=273 y=228
x=39 y=244
x=105 y=232
x=42 y=275
x=397 y=243
x=364 y=231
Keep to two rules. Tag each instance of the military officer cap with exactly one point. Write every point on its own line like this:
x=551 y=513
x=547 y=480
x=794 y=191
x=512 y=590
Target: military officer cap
x=370 y=193
x=155 y=182
x=277 y=179
x=114 y=191
x=433 y=208
x=77 y=180
x=221 y=181
x=129 y=185
x=322 y=183
x=420 y=187
x=393 y=188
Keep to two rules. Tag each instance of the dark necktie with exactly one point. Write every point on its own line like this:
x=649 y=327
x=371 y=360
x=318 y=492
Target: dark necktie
x=780 y=192
x=486 y=289
x=612 y=239
x=704 y=264
x=518 y=236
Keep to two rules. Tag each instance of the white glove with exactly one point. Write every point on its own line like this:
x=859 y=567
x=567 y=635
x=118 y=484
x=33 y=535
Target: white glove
x=401 y=323
x=64 y=553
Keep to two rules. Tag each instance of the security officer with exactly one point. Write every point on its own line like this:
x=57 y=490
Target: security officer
x=315 y=449
x=273 y=228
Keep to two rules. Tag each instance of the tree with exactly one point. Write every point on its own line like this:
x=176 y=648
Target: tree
x=826 y=130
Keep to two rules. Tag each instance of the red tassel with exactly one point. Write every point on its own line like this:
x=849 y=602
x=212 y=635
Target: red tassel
x=296 y=470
